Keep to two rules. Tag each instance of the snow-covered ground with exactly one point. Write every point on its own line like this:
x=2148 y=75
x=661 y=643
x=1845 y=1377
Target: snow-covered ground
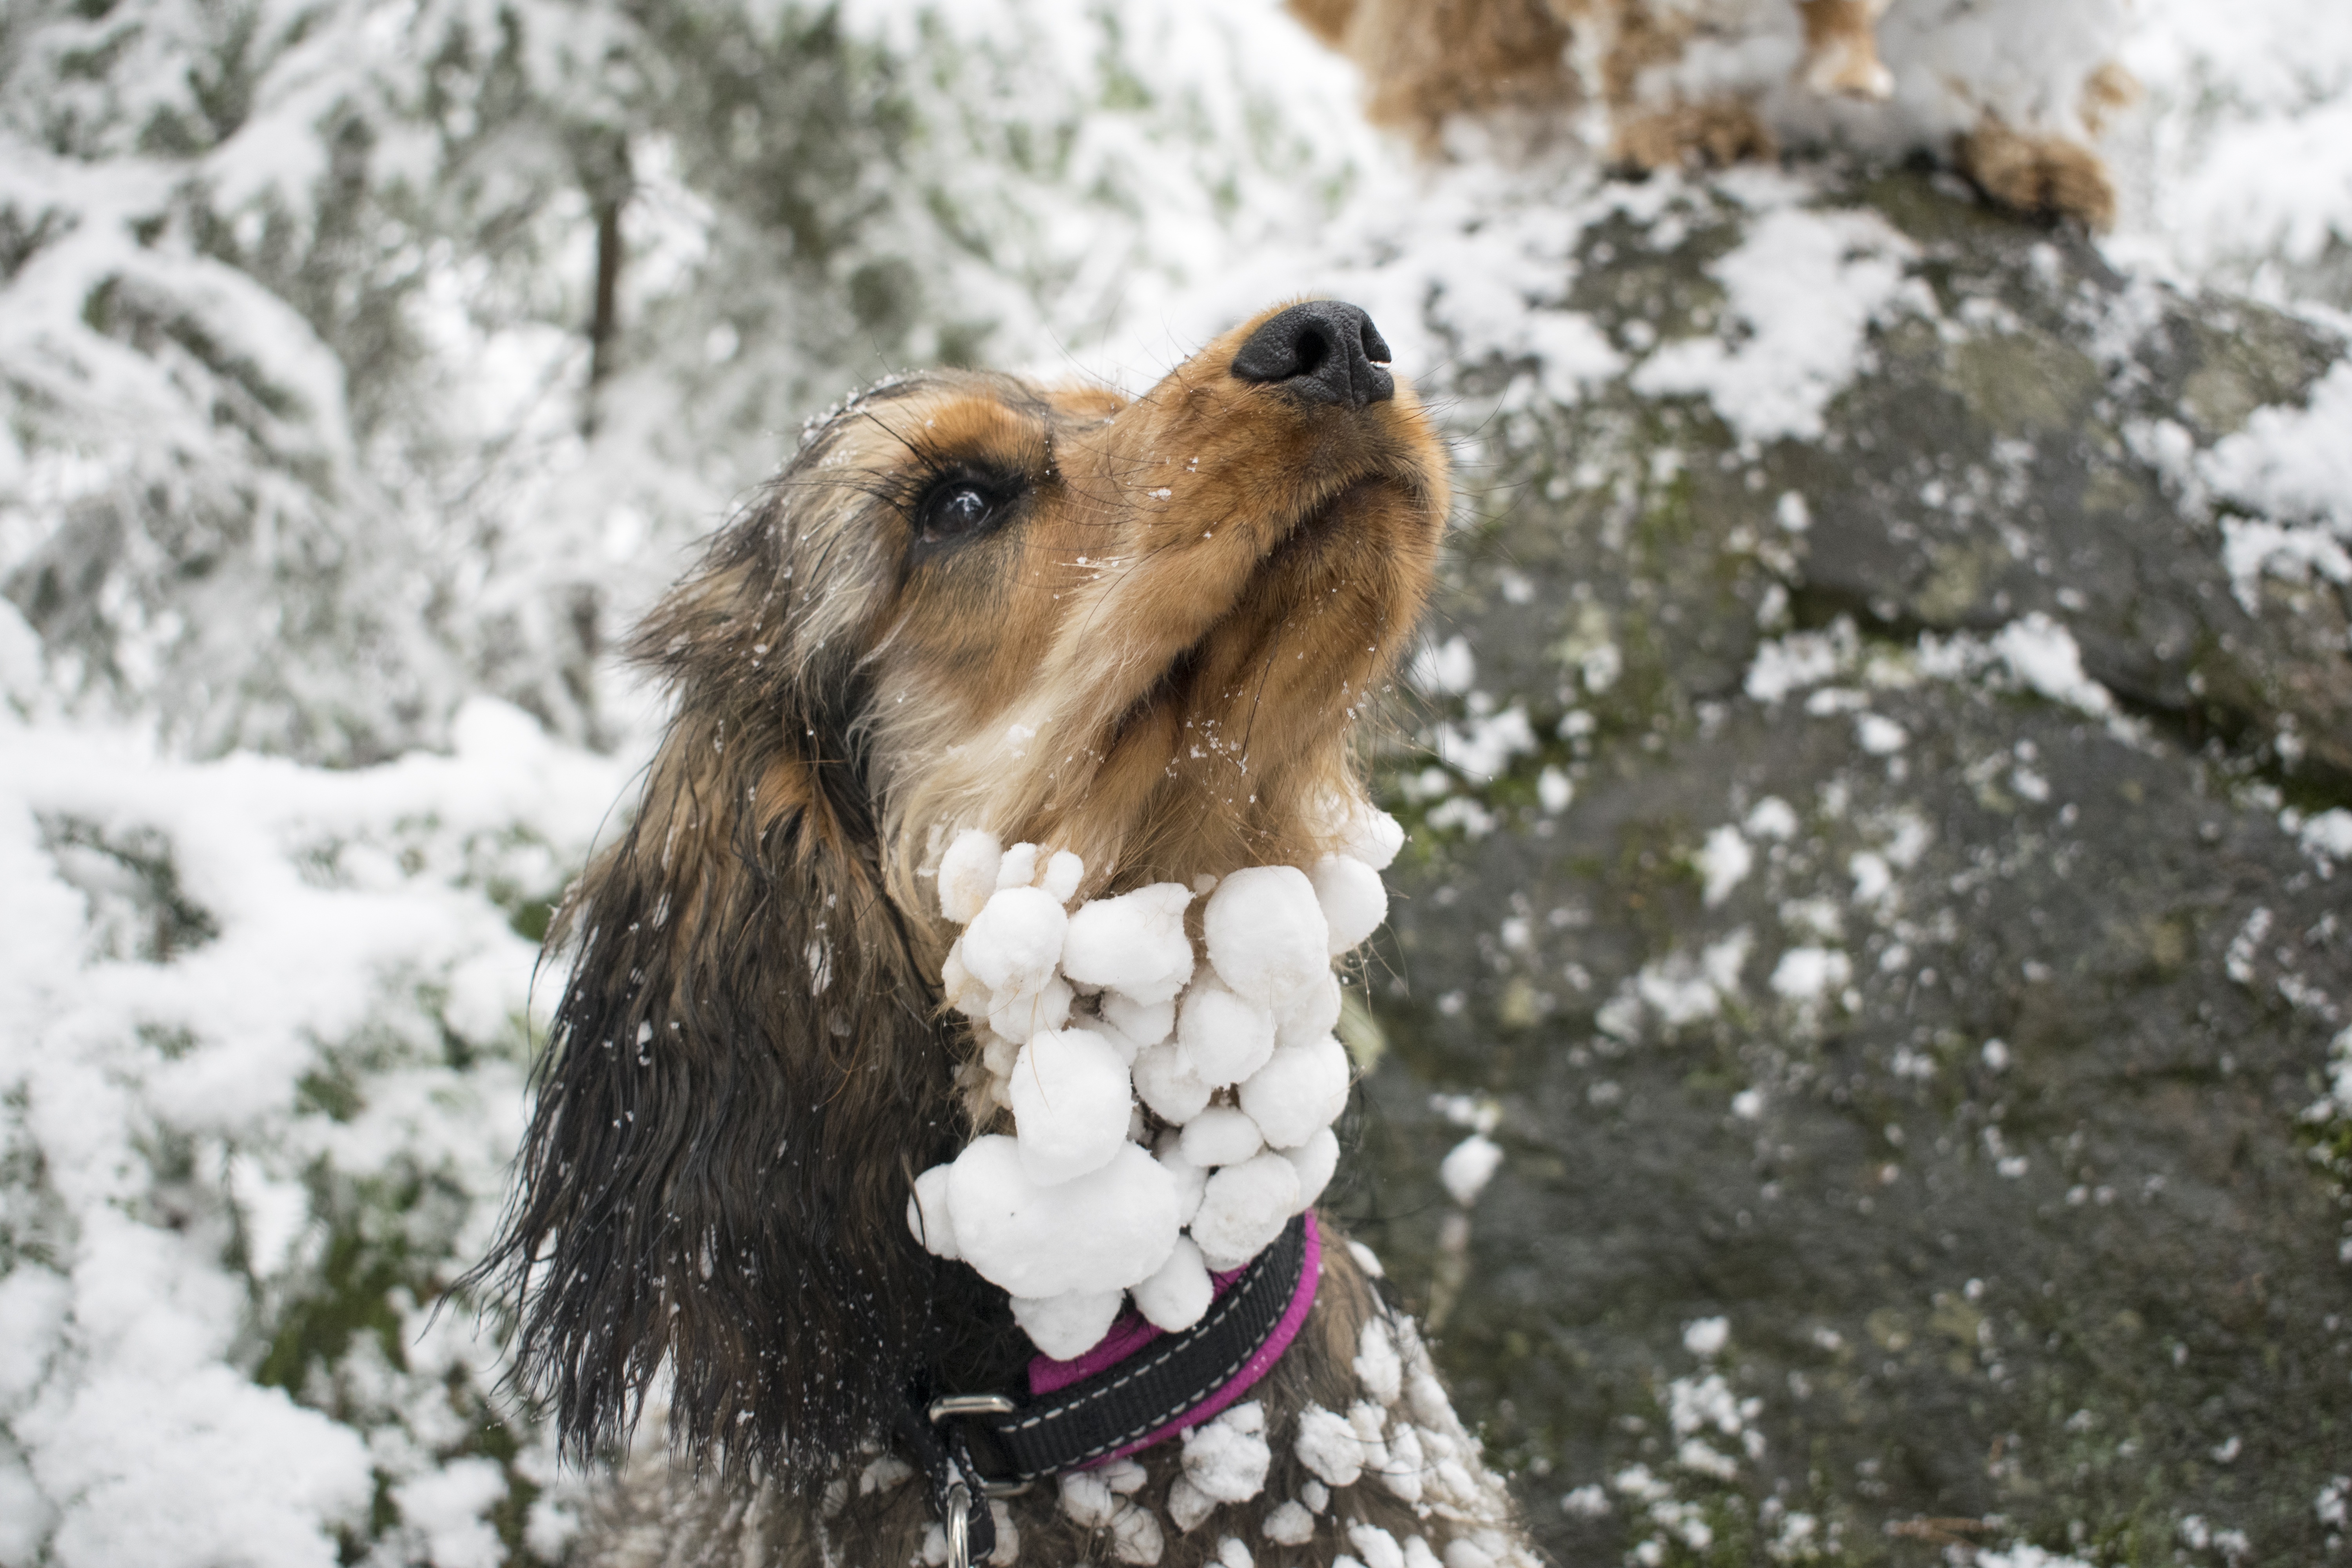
x=294 y=484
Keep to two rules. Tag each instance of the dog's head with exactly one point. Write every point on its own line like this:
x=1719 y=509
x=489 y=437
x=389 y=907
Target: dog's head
x=1141 y=631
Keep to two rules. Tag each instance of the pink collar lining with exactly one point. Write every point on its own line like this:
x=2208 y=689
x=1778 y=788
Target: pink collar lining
x=1132 y=1332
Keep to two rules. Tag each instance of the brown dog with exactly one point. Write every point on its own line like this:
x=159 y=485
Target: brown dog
x=1426 y=60
x=1143 y=631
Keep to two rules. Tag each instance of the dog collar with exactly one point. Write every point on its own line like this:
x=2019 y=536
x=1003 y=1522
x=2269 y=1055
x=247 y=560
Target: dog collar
x=1141 y=1385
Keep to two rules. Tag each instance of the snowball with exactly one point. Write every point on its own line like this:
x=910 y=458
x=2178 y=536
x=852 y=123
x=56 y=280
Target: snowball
x=1290 y=1525
x=1268 y=937
x=1165 y=1079
x=1377 y=1365
x=928 y=1215
x=1019 y=868
x=1071 y=1097
x=1315 y=1495
x=1188 y=1504
x=1019 y=1015
x=1227 y=1458
x=1088 y=1499
x=1375 y=1546
x=968 y=874
x=1315 y=1160
x=1227 y=1038
x=1221 y=1135
x=1134 y=943
x=1242 y=1208
x=1312 y=1015
x=1067 y=1325
x=1329 y=1446
x=1174 y=1297
x=1353 y=901
x=1299 y=1092
x=1145 y=1023
x=1064 y=872
x=1113 y=1036
x=1189 y=1177
x=1231 y=1553
x=964 y=993
x=1104 y=1231
x=1016 y=940
x=1136 y=1537
x=1468 y=1167
x=1373 y=836
x=1402 y=1474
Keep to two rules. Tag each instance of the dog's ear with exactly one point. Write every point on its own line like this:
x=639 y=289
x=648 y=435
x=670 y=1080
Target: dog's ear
x=746 y=1071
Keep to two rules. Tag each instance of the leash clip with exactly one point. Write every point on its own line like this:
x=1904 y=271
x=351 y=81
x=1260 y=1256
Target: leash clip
x=958 y=1525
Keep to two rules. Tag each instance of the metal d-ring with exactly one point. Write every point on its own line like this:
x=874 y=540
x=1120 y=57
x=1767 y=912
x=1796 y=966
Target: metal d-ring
x=954 y=1404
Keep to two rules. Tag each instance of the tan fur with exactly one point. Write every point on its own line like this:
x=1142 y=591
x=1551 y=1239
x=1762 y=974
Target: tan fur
x=2052 y=175
x=1426 y=62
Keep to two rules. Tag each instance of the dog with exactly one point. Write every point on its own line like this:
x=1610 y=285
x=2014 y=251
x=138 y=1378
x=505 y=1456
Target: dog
x=1146 y=632
x=2014 y=92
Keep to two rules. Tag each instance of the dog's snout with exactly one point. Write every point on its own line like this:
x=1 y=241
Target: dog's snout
x=1322 y=352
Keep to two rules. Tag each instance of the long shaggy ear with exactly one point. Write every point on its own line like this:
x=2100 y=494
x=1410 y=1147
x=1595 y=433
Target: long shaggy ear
x=747 y=1070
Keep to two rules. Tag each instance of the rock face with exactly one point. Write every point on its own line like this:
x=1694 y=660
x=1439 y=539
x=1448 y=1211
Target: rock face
x=1886 y=891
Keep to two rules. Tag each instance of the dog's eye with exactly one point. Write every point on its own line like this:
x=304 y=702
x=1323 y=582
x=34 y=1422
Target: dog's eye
x=959 y=508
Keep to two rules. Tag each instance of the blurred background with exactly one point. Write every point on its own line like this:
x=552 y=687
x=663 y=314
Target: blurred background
x=1859 y=1069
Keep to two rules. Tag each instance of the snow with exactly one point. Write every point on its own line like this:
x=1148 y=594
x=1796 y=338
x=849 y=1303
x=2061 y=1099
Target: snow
x=1267 y=935
x=328 y=668
x=1021 y=1233
x=1352 y=899
x=1327 y=1446
x=1134 y=945
x=1223 y=1037
x=1806 y=287
x=1221 y=1135
x=1468 y=1166
x=1299 y=1092
x=1071 y=1096
x=1069 y=1325
x=1227 y=1458
x=2042 y=656
x=1073 y=1210
x=1243 y=1207
x=968 y=874
x=1177 y=1294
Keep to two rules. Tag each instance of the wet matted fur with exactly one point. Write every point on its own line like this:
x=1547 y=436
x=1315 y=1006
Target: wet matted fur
x=1142 y=630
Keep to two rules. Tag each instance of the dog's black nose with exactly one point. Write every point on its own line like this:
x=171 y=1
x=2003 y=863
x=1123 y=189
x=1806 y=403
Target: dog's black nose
x=1323 y=351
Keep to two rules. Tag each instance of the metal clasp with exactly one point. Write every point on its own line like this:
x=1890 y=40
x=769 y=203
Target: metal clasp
x=947 y=1409
x=958 y=1526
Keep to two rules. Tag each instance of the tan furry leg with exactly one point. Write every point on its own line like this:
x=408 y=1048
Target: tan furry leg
x=2045 y=174
x=1426 y=60
x=1841 y=48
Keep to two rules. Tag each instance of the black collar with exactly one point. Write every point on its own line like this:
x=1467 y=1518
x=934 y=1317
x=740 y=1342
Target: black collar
x=996 y=1444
